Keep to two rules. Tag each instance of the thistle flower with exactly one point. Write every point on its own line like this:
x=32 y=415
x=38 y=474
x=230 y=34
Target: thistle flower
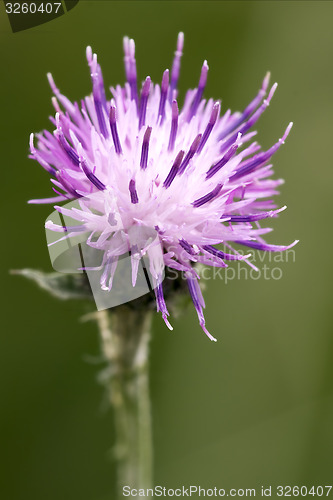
x=189 y=172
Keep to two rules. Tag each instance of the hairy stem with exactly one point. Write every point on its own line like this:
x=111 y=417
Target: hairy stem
x=125 y=336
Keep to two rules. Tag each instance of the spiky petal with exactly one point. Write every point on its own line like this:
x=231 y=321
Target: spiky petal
x=189 y=172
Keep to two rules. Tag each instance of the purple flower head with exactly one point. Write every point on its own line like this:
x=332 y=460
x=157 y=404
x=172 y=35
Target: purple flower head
x=188 y=171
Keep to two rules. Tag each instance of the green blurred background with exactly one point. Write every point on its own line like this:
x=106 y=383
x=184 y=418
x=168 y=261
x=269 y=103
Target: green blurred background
x=256 y=408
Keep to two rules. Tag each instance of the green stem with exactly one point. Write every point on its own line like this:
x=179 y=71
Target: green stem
x=125 y=336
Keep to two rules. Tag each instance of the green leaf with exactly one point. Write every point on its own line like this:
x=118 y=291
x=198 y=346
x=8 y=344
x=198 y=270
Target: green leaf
x=62 y=286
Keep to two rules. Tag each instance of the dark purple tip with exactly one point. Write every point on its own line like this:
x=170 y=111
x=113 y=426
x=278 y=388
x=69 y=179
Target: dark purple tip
x=259 y=159
x=66 y=182
x=165 y=81
x=265 y=246
x=145 y=148
x=101 y=118
x=250 y=217
x=113 y=119
x=187 y=247
x=250 y=166
x=92 y=177
x=191 y=152
x=71 y=153
x=225 y=158
x=200 y=90
x=251 y=121
x=221 y=255
x=174 y=125
x=164 y=92
x=114 y=131
x=146 y=87
x=212 y=120
x=248 y=110
x=174 y=169
x=101 y=87
x=133 y=192
x=160 y=303
x=98 y=92
x=144 y=100
x=208 y=197
x=198 y=302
